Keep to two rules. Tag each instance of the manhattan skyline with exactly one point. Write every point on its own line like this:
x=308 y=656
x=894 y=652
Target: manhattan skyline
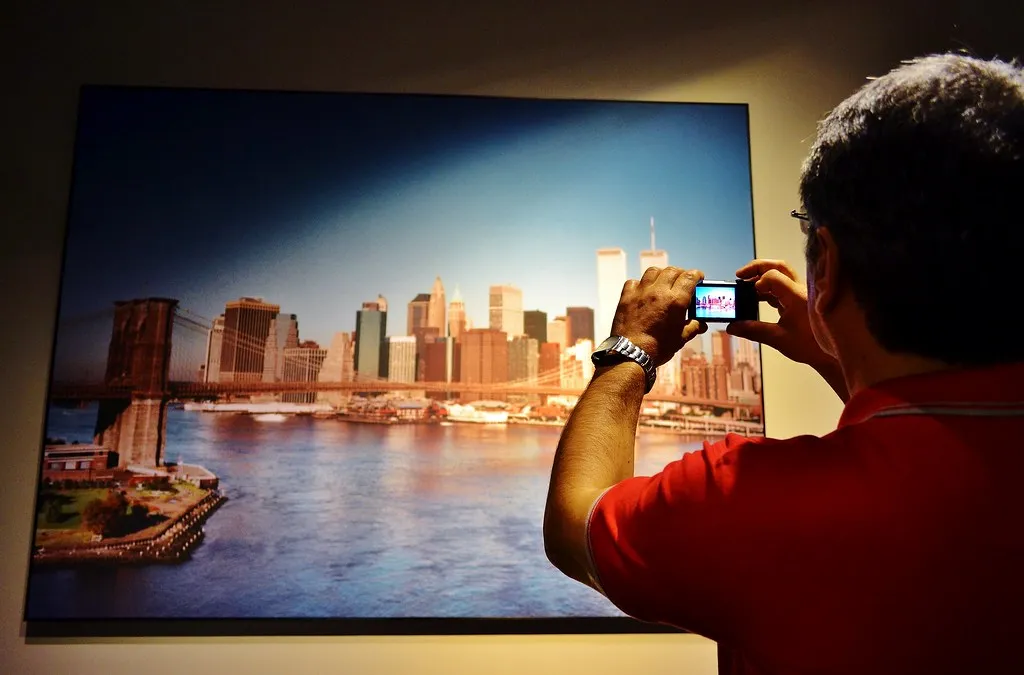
x=320 y=202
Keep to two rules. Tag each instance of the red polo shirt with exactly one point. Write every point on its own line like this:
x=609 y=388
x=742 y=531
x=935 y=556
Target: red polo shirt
x=894 y=544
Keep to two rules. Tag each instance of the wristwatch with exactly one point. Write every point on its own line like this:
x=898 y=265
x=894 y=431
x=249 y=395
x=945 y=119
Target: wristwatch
x=617 y=349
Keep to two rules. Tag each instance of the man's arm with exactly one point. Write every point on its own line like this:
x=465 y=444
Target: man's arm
x=596 y=449
x=594 y=453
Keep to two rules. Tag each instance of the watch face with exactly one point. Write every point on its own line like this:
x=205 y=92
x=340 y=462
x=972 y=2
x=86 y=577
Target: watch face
x=608 y=343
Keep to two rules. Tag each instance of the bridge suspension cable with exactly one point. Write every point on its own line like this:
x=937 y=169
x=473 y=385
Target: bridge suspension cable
x=245 y=345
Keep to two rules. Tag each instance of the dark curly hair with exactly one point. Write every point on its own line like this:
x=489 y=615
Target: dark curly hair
x=919 y=177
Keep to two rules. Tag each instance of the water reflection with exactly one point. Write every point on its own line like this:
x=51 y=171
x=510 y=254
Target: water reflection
x=334 y=519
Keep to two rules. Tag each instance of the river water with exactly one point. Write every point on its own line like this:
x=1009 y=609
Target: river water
x=328 y=519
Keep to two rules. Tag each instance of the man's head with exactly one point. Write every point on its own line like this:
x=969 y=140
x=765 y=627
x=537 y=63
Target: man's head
x=917 y=185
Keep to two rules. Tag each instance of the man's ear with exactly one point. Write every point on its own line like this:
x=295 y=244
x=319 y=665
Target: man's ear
x=825 y=271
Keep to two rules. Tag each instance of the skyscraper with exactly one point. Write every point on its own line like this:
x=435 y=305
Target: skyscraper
x=437 y=361
x=442 y=361
x=535 y=325
x=302 y=364
x=741 y=382
x=721 y=348
x=271 y=354
x=576 y=366
x=746 y=352
x=653 y=257
x=506 y=310
x=523 y=359
x=669 y=373
x=484 y=356
x=401 y=358
x=283 y=334
x=246 y=326
x=436 y=309
x=695 y=346
x=558 y=332
x=581 y=324
x=456 y=315
x=549 y=364
x=423 y=335
x=694 y=374
x=371 y=346
x=611 y=277
x=337 y=367
x=702 y=380
x=214 y=345
x=419 y=308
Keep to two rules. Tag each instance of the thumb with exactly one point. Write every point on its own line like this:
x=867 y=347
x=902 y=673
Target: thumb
x=774 y=283
x=693 y=328
x=756 y=331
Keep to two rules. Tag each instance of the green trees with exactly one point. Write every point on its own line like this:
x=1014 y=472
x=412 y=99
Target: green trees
x=115 y=515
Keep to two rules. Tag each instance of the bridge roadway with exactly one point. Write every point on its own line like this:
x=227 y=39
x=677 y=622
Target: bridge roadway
x=206 y=390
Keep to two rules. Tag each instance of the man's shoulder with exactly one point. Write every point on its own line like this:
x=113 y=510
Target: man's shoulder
x=733 y=442
x=766 y=452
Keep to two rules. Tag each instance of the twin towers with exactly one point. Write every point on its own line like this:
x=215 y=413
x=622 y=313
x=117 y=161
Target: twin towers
x=612 y=274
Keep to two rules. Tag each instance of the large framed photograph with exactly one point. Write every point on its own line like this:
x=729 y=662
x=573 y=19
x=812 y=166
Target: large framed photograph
x=314 y=352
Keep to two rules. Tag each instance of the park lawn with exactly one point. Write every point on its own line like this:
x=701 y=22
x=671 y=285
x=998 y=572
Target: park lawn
x=73 y=510
x=171 y=503
x=168 y=504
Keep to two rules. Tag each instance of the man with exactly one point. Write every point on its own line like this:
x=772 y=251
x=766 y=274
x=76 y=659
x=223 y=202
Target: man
x=894 y=544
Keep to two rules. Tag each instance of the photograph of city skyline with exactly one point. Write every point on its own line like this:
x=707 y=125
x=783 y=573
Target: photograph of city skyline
x=314 y=351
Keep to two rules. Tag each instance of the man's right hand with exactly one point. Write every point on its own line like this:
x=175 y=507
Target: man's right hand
x=776 y=283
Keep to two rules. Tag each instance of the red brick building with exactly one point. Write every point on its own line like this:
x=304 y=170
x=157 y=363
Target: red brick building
x=78 y=462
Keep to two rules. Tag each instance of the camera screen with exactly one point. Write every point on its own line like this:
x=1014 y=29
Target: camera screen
x=715 y=302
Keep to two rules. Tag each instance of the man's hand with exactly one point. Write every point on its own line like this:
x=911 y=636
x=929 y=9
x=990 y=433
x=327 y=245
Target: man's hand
x=776 y=283
x=652 y=311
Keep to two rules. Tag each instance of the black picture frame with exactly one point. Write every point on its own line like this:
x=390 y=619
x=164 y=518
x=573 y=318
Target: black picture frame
x=113 y=177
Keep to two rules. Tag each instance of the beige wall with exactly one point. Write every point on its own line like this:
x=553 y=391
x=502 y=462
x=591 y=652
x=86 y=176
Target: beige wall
x=791 y=62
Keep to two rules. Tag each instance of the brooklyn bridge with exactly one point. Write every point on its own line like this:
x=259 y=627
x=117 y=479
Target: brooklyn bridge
x=140 y=355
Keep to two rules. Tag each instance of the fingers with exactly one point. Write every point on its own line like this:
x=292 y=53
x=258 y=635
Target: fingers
x=756 y=331
x=628 y=289
x=650 y=274
x=779 y=290
x=761 y=266
x=692 y=329
x=672 y=277
x=687 y=280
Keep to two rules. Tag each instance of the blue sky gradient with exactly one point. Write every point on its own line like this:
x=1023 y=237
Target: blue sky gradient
x=319 y=202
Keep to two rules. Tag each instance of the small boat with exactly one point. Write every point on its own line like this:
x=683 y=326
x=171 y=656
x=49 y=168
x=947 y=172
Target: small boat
x=270 y=417
x=476 y=415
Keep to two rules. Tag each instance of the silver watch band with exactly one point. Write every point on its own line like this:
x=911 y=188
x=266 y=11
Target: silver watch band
x=630 y=351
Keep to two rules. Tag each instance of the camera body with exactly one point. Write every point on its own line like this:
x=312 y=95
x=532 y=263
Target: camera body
x=724 y=302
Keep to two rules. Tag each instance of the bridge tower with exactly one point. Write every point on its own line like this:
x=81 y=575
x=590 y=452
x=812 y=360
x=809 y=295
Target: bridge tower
x=138 y=361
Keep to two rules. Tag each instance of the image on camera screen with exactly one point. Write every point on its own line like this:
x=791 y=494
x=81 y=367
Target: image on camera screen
x=715 y=302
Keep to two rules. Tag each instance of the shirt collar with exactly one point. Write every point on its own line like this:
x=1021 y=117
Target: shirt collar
x=965 y=387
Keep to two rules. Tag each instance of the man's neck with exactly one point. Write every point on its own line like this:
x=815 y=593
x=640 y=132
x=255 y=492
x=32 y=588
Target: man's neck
x=888 y=367
x=865 y=363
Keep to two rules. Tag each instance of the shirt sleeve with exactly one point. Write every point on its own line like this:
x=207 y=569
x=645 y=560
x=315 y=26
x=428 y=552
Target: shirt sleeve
x=664 y=548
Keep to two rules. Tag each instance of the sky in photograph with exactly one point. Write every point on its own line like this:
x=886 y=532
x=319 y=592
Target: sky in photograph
x=319 y=202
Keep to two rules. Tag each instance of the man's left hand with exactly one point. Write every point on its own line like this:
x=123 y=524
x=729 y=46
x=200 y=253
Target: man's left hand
x=652 y=311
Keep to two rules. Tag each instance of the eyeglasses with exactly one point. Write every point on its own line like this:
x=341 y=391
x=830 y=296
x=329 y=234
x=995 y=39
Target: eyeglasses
x=805 y=220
